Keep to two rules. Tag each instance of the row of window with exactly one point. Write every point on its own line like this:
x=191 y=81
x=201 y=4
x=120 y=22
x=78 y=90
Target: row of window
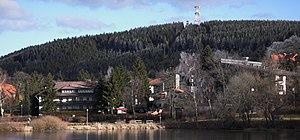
x=75 y=107
x=77 y=91
x=75 y=99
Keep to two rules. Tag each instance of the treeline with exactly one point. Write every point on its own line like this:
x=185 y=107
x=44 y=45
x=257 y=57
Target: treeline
x=159 y=47
x=111 y=90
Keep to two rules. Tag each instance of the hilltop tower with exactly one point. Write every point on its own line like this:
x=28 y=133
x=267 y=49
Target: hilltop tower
x=197 y=15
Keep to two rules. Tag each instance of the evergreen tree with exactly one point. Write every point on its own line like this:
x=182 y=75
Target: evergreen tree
x=101 y=90
x=26 y=102
x=49 y=105
x=207 y=58
x=141 y=81
x=15 y=104
x=116 y=86
x=84 y=75
x=35 y=86
x=36 y=83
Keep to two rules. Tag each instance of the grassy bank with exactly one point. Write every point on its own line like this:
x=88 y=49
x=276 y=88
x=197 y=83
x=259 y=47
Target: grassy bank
x=51 y=123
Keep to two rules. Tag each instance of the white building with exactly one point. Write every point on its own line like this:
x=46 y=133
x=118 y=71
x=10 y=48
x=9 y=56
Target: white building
x=281 y=84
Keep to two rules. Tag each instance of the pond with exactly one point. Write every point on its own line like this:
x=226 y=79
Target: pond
x=168 y=134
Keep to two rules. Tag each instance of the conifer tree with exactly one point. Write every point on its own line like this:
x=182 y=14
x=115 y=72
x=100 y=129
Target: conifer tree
x=207 y=58
x=116 y=86
x=141 y=81
x=26 y=102
x=84 y=75
x=101 y=90
x=49 y=105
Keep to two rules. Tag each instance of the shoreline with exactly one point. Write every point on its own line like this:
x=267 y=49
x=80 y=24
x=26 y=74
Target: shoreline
x=217 y=125
x=117 y=126
x=25 y=127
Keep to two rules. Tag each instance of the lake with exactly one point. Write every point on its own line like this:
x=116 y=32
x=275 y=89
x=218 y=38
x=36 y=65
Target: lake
x=169 y=134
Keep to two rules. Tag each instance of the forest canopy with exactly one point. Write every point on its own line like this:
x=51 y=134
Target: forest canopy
x=158 y=46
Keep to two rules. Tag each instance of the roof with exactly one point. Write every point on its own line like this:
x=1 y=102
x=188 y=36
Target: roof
x=155 y=81
x=72 y=85
x=122 y=108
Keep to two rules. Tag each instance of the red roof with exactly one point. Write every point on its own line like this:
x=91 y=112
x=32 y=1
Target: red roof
x=72 y=85
x=155 y=81
x=122 y=108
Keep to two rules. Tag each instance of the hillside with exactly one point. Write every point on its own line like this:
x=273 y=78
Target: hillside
x=159 y=46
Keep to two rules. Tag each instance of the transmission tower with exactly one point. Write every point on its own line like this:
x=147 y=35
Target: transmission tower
x=197 y=15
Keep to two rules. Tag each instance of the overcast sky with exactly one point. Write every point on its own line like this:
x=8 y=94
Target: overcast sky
x=30 y=22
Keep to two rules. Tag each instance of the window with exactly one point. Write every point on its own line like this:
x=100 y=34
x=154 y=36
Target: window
x=68 y=91
x=70 y=107
x=85 y=91
x=75 y=107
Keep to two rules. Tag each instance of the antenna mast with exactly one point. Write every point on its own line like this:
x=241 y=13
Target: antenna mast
x=197 y=15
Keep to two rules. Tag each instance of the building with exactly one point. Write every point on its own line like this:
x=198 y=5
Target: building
x=281 y=84
x=75 y=95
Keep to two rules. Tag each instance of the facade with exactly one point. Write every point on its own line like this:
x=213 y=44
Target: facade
x=281 y=84
x=75 y=95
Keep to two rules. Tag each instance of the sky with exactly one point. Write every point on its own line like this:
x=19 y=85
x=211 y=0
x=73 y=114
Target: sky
x=25 y=23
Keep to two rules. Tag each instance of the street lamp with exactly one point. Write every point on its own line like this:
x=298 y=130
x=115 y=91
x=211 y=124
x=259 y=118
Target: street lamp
x=87 y=116
x=21 y=109
x=160 y=118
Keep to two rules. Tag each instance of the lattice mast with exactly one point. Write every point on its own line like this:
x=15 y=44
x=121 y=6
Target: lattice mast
x=197 y=15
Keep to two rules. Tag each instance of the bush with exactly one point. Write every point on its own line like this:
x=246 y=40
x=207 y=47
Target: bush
x=10 y=127
x=48 y=123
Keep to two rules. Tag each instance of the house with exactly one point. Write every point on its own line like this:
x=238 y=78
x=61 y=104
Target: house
x=75 y=95
x=157 y=88
x=281 y=84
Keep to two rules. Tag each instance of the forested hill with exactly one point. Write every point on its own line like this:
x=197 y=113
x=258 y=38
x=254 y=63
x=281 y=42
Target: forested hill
x=159 y=46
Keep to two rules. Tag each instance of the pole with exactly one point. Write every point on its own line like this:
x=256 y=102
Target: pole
x=194 y=97
x=160 y=118
x=133 y=103
x=21 y=109
x=87 y=117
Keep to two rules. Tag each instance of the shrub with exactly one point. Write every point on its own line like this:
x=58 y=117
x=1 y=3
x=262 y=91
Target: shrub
x=48 y=123
x=11 y=127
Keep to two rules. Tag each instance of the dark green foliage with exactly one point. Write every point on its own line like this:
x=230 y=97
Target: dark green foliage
x=101 y=90
x=49 y=105
x=26 y=102
x=159 y=46
x=84 y=75
x=141 y=80
x=207 y=58
x=116 y=87
x=35 y=86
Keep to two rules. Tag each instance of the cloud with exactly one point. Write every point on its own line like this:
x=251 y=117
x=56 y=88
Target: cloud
x=10 y=9
x=13 y=17
x=16 y=25
x=80 y=23
x=262 y=15
x=180 y=4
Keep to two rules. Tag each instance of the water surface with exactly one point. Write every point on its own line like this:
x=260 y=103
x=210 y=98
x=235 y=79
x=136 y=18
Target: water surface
x=171 y=134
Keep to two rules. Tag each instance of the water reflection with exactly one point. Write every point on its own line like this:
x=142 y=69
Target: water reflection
x=176 y=134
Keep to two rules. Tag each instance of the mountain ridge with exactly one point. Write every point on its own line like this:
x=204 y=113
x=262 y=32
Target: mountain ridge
x=158 y=45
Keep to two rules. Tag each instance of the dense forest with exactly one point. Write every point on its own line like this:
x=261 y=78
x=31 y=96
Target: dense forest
x=159 y=47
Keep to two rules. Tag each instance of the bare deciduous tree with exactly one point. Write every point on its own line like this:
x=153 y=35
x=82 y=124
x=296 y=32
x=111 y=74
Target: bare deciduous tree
x=269 y=101
x=240 y=97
